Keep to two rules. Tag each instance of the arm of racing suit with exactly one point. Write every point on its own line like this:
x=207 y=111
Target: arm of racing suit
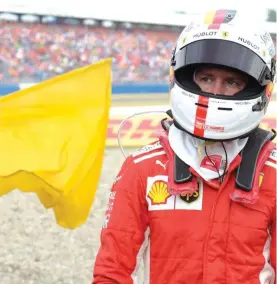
x=271 y=181
x=273 y=244
x=123 y=234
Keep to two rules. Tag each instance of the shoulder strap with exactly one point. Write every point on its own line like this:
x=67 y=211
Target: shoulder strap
x=250 y=154
x=246 y=171
x=181 y=169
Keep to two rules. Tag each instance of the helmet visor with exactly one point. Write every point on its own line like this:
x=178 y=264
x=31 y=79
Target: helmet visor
x=225 y=53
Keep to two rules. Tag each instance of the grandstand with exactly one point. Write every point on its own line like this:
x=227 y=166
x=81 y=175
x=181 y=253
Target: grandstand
x=37 y=47
x=35 y=52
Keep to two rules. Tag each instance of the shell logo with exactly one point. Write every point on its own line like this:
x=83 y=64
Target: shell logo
x=158 y=193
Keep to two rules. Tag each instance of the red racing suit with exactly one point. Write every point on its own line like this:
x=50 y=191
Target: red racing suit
x=201 y=238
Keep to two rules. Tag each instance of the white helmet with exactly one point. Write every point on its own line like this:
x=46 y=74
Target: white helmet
x=221 y=38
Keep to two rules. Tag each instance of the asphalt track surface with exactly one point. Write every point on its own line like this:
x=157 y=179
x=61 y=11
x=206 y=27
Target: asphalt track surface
x=140 y=99
x=34 y=250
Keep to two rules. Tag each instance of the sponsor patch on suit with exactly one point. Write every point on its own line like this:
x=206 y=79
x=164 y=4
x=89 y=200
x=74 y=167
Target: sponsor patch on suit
x=158 y=197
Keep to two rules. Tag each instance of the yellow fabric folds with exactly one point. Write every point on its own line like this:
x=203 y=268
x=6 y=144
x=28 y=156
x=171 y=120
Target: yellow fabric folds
x=52 y=140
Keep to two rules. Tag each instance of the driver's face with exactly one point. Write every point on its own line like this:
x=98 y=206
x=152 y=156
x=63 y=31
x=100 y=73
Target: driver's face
x=219 y=81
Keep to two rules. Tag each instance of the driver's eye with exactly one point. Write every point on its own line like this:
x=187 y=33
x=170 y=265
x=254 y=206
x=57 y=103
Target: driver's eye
x=205 y=79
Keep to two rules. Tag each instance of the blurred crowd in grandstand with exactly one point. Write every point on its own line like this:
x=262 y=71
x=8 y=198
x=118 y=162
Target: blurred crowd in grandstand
x=35 y=52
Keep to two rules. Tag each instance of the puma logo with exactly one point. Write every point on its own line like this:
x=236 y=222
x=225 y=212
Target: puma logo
x=158 y=162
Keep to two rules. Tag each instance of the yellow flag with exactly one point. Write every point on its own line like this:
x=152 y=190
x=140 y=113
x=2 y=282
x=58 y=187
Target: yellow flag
x=52 y=140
